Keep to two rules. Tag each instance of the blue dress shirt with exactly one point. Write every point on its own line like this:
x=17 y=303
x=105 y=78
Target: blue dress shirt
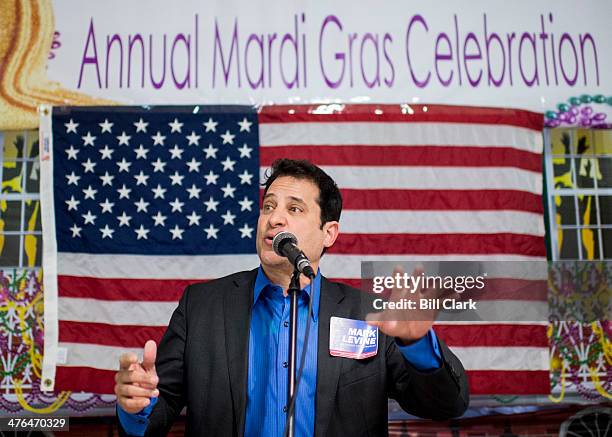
x=268 y=355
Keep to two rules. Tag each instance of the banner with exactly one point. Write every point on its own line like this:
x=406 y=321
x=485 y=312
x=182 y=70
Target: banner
x=520 y=54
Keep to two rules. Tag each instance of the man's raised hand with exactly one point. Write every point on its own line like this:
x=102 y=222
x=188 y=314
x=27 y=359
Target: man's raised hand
x=136 y=383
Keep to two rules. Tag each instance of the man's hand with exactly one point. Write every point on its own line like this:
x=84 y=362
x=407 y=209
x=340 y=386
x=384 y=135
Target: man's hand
x=406 y=325
x=136 y=383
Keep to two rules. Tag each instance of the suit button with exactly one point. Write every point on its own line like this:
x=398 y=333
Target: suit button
x=285 y=409
x=285 y=364
x=286 y=324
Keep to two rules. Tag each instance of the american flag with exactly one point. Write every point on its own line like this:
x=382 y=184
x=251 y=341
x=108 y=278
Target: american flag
x=143 y=201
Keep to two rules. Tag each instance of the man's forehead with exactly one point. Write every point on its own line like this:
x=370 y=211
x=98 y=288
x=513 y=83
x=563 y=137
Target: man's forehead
x=302 y=190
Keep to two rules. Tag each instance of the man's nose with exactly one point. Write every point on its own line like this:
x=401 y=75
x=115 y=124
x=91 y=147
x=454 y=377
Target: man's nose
x=277 y=218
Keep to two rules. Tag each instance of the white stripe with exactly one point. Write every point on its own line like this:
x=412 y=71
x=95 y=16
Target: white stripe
x=441 y=222
x=505 y=311
x=212 y=267
x=158 y=313
x=472 y=358
x=113 y=312
x=154 y=266
x=404 y=134
x=432 y=178
x=96 y=356
x=503 y=358
x=349 y=266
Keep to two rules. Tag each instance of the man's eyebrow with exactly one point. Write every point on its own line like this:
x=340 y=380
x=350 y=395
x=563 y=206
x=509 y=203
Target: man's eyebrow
x=269 y=195
x=297 y=199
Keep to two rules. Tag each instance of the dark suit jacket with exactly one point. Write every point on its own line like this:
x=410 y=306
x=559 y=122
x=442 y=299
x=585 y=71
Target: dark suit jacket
x=202 y=362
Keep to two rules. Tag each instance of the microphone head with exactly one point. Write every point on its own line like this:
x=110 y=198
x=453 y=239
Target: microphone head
x=280 y=239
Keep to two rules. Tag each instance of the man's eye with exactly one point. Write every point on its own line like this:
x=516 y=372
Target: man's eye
x=267 y=207
x=295 y=209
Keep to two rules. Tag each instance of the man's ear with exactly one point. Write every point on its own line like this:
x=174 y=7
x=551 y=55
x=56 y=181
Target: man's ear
x=331 y=231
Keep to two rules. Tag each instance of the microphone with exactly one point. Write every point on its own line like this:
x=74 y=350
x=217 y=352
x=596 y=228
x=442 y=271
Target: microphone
x=285 y=244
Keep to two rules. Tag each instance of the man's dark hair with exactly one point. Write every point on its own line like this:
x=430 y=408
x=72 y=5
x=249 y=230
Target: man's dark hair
x=329 y=200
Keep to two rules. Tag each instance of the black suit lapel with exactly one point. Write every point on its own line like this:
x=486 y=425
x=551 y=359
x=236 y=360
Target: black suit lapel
x=328 y=367
x=237 y=311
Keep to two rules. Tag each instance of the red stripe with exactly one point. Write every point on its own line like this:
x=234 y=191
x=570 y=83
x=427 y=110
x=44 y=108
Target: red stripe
x=439 y=244
x=508 y=382
x=85 y=379
x=401 y=113
x=493 y=335
x=108 y=335
x=161 y=290
x=432 y=156
x=440 y=200
x=480 y=381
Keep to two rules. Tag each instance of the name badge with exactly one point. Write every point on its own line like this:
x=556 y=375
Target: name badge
x=352 y=338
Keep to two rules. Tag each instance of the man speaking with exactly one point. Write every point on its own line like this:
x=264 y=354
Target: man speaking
x=225 y=353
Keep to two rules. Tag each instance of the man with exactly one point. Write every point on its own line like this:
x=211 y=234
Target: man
x=224 y=354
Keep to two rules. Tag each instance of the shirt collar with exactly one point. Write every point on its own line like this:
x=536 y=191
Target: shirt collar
x=262 y=281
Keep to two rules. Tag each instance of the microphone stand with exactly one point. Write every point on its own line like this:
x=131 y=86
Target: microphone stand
x=294 y=290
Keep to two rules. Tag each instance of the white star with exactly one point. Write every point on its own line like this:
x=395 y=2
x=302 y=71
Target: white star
x=90 y=193
x=88 y=140
x=245 y=151
x=175 y=126
x=193 y=165
x=89 y=218
x=246 y=231
x=106 y=126
x=124 y=139
x=158 y=166
x=71 y=126
x=159 y=219
x=194 y=191
x=211 y=232
x=211 y=152
x=177 y=179
x=158 y=192
x=72 y=152
x=88 y=165
x=124 y=219
x=106 y=152
x=228 y=138
x=211 y=204
x=177 y=232
x=158 y=139
x=177 y=205
x=72 y=203
x=176 y=152
x=141 y=178
x=228 y=218
x=210 y=125
x=245 y=178
x=107 y=232
x=124 y=165
x=194 y=219
x=193 y=139
x=141 y=205
x=211 y=178
x=141 y=126
x=141 y=232
x=107 y=206
x=107 y=179
x=228 y=191
x=245 y=125
x=76 y=231
x=228 y=164
x=73 y=179
x=245 y=204
x=141 y=152
x=124 y=192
